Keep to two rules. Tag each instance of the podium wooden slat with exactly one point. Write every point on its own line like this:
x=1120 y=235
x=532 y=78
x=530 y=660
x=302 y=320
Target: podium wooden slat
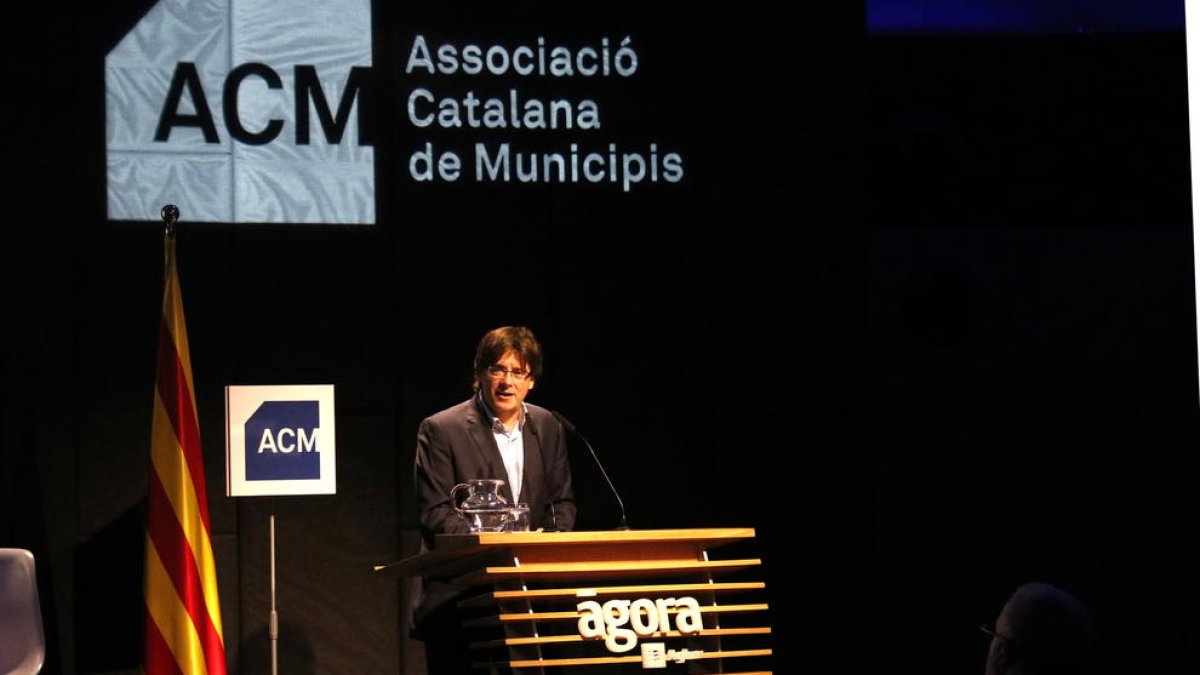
x=559 y=639
x=710 y=537
x=604 y=591
x=605 y=660
x=604 y=570
x=573 y=615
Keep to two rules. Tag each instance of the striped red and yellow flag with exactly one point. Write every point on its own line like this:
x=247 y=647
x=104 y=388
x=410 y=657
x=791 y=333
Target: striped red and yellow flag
x=183 y=613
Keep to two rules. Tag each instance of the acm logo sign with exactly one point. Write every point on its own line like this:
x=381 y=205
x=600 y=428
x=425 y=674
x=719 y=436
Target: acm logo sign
x=243 y=112
x=280 y=440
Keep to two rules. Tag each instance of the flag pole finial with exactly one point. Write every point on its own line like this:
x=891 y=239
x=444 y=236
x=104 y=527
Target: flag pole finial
x=170 y=216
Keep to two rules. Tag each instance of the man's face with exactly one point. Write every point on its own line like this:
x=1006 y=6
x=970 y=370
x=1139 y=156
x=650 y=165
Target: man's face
x=999 y=657
x=505 y=392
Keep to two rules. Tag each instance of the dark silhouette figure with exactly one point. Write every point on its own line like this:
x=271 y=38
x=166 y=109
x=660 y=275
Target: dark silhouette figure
x=1042 y=630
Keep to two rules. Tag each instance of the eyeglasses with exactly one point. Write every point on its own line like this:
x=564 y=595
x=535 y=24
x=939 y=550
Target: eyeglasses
x=499 y=372
x=986 y=628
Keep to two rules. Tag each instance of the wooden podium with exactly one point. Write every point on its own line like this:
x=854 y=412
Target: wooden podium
x=594 y=603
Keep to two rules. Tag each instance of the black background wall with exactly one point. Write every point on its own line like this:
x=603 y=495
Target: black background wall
x=1033 y=390
x=921 y=313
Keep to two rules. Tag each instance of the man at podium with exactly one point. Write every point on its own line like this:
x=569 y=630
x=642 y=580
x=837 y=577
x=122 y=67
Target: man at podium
x=493 y=434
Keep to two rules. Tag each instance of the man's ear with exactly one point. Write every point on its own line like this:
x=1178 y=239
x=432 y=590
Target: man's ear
x=1004 y=656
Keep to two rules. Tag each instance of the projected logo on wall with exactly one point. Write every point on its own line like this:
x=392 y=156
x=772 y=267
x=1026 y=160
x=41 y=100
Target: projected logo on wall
x=247 y=112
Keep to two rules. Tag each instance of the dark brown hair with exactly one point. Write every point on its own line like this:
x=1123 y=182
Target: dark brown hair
x=500 y=341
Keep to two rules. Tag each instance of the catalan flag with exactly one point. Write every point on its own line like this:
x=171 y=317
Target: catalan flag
x=183 y=613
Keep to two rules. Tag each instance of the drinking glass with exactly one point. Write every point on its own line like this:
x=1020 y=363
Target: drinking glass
x=518 y=518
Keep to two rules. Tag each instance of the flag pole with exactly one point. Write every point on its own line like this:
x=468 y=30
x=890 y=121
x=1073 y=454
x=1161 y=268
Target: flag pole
x=183 y=630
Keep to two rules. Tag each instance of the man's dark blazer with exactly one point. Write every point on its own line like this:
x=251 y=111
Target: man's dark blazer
x=456 y=445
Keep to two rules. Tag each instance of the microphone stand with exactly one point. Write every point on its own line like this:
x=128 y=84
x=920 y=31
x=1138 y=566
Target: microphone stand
x=273 y=620
x=595 y=458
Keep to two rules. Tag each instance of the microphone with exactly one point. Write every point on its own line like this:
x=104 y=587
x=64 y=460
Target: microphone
x=553 y=511
x=571 y=428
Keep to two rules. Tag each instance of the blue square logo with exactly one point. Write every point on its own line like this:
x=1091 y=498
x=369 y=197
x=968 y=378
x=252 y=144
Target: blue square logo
x=281 y=441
